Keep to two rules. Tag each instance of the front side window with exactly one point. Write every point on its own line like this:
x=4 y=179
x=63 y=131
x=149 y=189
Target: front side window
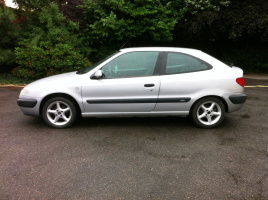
x=132 y=64
x=182 y=63
x=83 y=71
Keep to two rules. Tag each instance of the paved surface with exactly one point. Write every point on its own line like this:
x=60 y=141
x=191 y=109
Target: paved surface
x=135 y=158
x=256 y=76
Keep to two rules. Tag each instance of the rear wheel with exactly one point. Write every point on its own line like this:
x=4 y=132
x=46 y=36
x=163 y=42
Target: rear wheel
x=59 y=112
x=208 y=112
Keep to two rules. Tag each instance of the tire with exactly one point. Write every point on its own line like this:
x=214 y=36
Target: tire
x=59 y=112
x=208 y=112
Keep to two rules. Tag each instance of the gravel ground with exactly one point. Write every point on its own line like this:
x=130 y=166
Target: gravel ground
x=135 y=158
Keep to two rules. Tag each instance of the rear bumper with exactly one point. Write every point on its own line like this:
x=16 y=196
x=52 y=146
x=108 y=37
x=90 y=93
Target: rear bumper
x=234 y=101
x=238 y=99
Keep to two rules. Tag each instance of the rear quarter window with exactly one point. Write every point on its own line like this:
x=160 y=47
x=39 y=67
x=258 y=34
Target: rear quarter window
x=183 y=63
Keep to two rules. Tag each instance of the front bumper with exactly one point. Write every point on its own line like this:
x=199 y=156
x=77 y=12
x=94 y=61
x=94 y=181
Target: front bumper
x=29 y=106
x=27 y=103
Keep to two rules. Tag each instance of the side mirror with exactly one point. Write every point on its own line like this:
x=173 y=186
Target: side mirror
x=98 y=74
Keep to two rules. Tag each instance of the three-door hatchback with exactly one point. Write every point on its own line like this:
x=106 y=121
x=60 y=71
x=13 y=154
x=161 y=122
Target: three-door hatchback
x=156 y=81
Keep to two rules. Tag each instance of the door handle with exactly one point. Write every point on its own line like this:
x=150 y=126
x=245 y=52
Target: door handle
x=148 y=85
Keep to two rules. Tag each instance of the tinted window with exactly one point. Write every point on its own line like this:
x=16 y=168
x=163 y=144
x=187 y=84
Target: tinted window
x=181 y=63
x=131 y=65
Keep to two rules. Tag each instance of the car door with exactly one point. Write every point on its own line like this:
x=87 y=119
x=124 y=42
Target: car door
x=183 y=80
x=130 y=83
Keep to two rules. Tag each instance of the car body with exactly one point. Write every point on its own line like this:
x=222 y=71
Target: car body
x=148 y=81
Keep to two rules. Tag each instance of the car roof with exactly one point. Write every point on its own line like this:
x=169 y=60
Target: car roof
x=172 y=49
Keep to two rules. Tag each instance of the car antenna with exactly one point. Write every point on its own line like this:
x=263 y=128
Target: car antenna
x=126 y=42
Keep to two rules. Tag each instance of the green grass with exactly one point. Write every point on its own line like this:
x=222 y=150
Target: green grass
x=9 y=78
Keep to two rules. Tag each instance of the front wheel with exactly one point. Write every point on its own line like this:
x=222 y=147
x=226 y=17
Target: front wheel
x=59 y=112
x=208 y=112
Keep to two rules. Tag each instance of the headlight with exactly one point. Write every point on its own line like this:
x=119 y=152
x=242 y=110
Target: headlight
x=24 y=92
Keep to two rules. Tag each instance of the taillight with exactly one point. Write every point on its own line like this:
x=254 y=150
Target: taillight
x=240 y=81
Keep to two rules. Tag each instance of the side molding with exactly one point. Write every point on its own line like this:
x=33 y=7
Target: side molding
x=151 y=100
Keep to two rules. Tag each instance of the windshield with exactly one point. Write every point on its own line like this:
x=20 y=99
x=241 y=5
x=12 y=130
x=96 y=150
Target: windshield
x=86 y=70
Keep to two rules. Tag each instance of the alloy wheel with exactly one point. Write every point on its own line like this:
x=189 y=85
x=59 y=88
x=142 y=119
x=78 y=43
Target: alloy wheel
x=209 y=113
x=59 y=113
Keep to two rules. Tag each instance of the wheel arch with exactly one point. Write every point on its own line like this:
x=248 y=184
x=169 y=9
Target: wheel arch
x=64 y=95
x=218 y=97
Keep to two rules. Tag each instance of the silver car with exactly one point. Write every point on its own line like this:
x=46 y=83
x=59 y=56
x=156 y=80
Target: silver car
x=140 y=82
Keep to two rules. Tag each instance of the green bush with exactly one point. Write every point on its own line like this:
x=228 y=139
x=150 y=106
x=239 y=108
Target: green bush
x=47 y=60
x=49 y=25
x=8 y=39
x=252 y=59
x=111 y=23
x=50 y=45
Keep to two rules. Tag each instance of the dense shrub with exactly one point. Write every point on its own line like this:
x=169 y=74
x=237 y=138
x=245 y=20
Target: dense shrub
x=46 y=60
x=2 y=4
x=8 y=39
x=50 y=45
x=72 y=11
x=239 y=19
x=49 y=25
x=32 y=5
x=110 y=23
x=253 y=56
x=229 y=30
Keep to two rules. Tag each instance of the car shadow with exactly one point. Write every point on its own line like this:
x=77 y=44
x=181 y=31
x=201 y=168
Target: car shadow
x=136 y=121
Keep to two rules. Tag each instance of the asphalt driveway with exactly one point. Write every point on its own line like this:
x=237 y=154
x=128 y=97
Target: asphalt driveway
x=135 y=158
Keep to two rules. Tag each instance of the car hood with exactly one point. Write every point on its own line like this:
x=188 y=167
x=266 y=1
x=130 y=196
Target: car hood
x=58 y=79
x=61 y=83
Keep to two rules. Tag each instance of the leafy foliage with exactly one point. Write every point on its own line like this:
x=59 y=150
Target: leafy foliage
x=252 y=56
x=197 y=5
x=237 y=30
x=2 y=4
x=8 y=28
x=8 y=37
x=32 y=5
x=235 y=20
x=49 y=25
x=112 y=21
x=9 y=78
x=46 y=60
x=50 y=47
x=72 y=11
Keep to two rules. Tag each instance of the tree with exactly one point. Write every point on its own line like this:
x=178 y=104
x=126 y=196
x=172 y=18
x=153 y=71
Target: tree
x=8 y=38
x=31 y=5
x=133 y=18
x=2 y=4
x=236 y=32
x=112 y=22
x=72 y=11
x=239 y=18
x=49 y=25
x=50 y=45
